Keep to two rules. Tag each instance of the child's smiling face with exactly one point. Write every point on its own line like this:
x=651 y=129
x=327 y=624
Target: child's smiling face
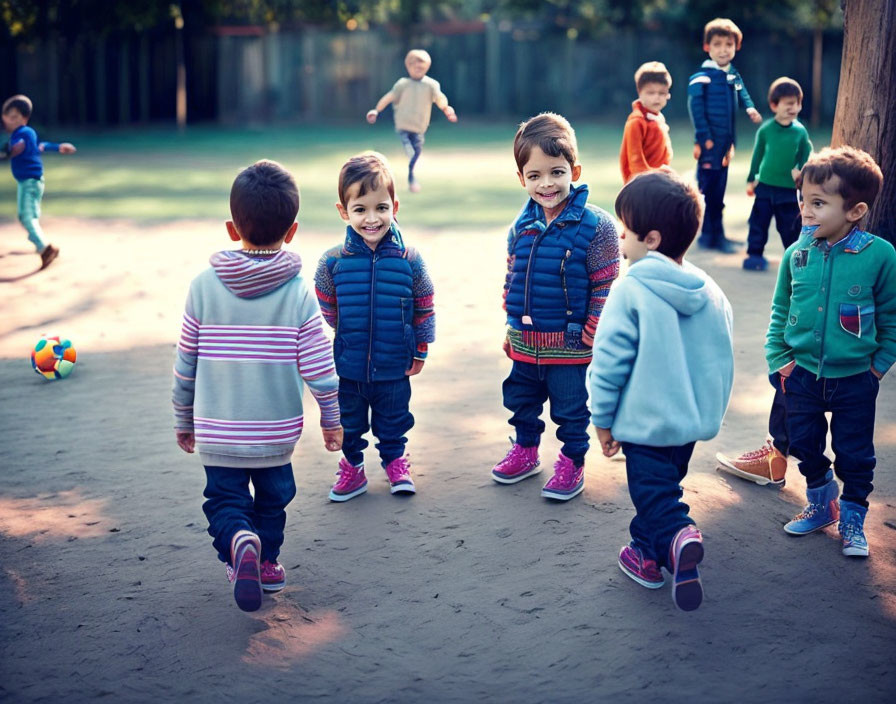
x=822 y=205
x=548 y=179
x=721 y=49
x=370 y=215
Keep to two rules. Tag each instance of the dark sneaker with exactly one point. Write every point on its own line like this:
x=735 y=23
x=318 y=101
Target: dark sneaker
x=246 y=577
x=48 y=254
x=685 y=553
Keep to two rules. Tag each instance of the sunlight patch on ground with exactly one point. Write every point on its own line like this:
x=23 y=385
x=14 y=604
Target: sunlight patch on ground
x=66 y=514
x=291 y=635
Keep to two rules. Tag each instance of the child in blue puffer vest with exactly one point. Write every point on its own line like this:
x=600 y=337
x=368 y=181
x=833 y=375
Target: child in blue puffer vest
x=563 y=255
x=377 y=295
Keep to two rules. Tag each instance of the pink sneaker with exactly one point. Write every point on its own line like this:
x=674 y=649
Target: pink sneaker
x=399 y=473
x=273 y=576
x=685 y=553
x=635 y=566
x=244 y=550
x=351 y=482
x=568 y=480
x=518 y=464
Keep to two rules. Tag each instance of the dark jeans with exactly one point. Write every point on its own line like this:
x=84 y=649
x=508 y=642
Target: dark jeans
x=851 y=401
x=413 y=145
x=378 y=405
x=654 y=483
x=528 y=387
x=780 y=203
x=230 y=507
x=712 y=184
x=777 y=422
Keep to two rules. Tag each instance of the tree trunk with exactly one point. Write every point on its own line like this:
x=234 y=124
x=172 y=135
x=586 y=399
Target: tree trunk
x=866 y=98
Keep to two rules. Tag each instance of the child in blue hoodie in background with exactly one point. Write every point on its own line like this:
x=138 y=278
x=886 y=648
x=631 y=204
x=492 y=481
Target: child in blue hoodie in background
x=661 y=376
x=252 y=338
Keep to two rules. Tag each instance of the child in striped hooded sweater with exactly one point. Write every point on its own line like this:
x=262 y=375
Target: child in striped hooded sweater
x=252 y=336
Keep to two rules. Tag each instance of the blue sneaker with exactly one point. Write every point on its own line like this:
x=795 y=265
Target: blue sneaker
x=755 y=262
x=822 y=510
x=852 y=520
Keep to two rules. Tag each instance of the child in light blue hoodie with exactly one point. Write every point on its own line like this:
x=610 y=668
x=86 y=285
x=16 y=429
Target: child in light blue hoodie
x=661 y=376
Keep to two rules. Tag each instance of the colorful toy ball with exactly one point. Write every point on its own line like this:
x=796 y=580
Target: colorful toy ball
x=53 y=357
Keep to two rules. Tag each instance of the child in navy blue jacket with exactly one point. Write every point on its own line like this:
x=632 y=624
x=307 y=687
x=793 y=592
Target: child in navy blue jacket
x=375 y=292
x=714 y=94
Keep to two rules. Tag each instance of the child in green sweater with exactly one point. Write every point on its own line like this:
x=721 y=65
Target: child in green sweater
x=782 y=147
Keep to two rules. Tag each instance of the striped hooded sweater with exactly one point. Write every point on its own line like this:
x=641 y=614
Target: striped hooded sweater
x=252 y=337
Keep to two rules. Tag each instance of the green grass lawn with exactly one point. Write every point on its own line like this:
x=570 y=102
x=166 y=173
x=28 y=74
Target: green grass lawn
x=467 y=170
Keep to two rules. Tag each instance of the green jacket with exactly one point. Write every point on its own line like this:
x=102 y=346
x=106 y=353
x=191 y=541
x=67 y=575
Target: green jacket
x=834 y=308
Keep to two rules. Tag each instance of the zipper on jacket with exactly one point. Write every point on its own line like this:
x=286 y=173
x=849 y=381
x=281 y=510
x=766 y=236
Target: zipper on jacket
x=826 y=282
x=372 y=308
x=563 y=281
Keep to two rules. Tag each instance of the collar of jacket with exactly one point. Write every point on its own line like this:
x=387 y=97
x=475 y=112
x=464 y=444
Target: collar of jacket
x=638 y=106
x=532 y=217
x=391 y=242
x=853 y=243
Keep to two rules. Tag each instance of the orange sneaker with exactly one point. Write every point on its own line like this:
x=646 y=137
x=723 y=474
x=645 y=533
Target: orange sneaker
x=764 y=466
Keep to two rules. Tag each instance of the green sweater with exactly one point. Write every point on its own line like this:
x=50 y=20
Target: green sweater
x=777 y=150
x=834 y=308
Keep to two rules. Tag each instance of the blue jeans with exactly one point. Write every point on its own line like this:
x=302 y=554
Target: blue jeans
x=413 y=146
x=712 y=184
x=525 y=392
x=780 y=203
x=381 y=406
x=777 y=422
x=851 y=401
x=654 y=483
x=30 y=193
x=230 y=507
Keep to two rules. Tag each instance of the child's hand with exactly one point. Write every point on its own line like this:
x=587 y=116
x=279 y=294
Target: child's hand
x=751 y=188
x=372 y=115
x=332 y=438
x=186 y=440
x=608 y=445
x=787 y=370
x=728 y=157
x=67 y=148
x=876 y=373
x=754 y=114
x=697 y=151
x=587 y=339
x=450 y=114
x=416 y=368
x=795 y=173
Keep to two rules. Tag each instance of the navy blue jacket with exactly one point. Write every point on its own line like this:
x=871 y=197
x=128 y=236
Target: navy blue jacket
x=374 y=290
x=714 y=96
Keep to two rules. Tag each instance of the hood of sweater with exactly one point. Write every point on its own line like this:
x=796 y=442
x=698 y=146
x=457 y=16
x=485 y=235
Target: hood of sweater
x=682 y=286
x=249 y=277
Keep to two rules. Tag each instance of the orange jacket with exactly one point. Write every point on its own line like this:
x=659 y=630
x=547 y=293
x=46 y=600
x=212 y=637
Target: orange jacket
x=645 y=142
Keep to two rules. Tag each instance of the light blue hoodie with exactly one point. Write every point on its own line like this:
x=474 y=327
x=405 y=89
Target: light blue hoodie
x=663 y=355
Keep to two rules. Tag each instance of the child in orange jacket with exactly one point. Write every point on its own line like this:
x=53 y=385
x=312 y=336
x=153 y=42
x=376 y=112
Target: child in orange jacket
x=645 y=142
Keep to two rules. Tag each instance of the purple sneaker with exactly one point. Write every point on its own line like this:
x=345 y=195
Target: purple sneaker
x=518 y=464
x=273 y=576
x=635 y=566
x=351 y=483
x=399 y=473
x=244 y=550
x=568 y=480
x=685 y=553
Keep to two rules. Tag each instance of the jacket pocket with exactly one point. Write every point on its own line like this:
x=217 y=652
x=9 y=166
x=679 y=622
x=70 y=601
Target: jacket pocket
x=407 y=324
x=857 y=320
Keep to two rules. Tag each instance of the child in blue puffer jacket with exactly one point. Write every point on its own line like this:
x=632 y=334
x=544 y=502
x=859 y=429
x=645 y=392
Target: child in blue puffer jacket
x=563 y=255
x=377 y=295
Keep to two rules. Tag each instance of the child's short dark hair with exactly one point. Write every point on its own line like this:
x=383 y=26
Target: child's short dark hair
x=652 y=72
x=551 y=133
x=264 y=202
x=784 y=87
x=370 y=170
x=22 y=103
x=859 y=177
x=663 y=201
x=722 y=27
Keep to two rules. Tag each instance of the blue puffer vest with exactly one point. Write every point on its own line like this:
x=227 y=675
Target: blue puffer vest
x=713 y=96
x=374 y=334
x=547 y=283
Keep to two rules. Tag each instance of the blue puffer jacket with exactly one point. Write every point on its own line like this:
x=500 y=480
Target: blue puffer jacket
x=375 y=338
x=714 y=96
x=547 y=287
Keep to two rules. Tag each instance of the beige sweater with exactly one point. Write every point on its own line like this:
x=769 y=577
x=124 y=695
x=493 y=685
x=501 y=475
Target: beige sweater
x=412 y=102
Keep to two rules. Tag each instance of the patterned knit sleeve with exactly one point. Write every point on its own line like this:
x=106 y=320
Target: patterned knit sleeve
x=314 y=354
x=326 y=289
x=424 y=312
x=185 y=368
x=603 y=268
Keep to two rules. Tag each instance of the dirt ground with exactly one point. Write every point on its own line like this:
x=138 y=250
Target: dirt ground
x=469 y=591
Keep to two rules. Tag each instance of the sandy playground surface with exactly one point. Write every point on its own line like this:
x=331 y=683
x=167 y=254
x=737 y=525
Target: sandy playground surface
x=469 y=591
